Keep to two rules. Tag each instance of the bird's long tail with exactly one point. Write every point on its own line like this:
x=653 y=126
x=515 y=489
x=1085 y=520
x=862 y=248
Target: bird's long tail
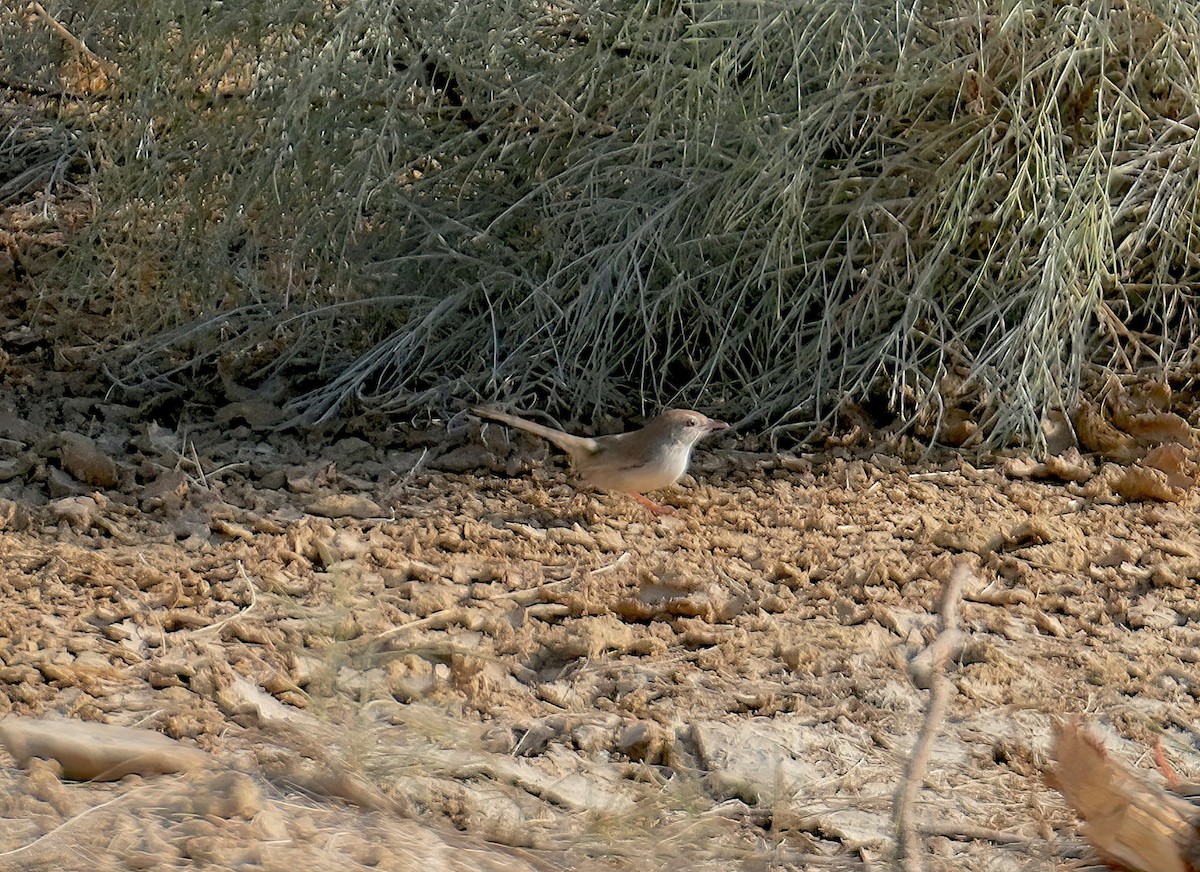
x=566 y=441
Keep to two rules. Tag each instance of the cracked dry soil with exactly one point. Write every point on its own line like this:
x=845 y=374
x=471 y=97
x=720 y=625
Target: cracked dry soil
x=413 y=651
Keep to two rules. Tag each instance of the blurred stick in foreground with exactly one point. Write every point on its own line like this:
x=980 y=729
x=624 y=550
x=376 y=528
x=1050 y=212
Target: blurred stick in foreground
x=929 y=671
x=1130 y=823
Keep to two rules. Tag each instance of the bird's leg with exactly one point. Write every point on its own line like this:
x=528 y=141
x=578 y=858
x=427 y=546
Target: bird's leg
x=652 y=506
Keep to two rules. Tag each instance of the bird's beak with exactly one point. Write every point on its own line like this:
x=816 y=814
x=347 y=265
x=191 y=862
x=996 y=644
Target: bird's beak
x=715 y=426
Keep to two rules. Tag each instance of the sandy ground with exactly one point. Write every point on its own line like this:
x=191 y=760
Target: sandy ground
x=425 y=651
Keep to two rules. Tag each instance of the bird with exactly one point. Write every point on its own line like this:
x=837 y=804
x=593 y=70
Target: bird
x=649 y=459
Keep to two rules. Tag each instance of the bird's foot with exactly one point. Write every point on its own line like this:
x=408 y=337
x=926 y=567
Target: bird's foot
x=653 y=506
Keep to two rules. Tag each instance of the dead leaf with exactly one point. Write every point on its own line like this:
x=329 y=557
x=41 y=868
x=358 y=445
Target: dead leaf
x=344 y=506
x=1021 y=467
x=1155 y=427
x=1100 y=436
x=85 y=461
x=258 y=414
x=1070 y=467
x=1060 y=435
x=958 y=427
x=1173 y=460
x=1139 y=483
x=82 y=513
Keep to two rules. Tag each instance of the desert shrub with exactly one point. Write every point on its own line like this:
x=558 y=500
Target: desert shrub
x=766 y=208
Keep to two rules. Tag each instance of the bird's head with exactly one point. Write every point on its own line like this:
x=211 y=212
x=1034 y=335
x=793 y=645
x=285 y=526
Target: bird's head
x=686 y=426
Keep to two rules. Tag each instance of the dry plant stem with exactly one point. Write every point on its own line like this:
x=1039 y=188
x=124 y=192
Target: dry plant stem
x=968 y=833
x=517 y=595
x=908 y=844
x=73 y=41
x=523 y=597
x=240 y=613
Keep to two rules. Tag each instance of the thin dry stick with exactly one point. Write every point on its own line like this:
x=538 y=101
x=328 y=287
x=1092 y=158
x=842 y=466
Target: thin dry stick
x=58 y=829
x=73 y=41
x=968 y=833
x=240 y=613
x=947 y=641
x=522 y=597
x=518 y=595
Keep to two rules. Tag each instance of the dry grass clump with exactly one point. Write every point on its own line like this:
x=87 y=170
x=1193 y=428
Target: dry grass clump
x=765 y=207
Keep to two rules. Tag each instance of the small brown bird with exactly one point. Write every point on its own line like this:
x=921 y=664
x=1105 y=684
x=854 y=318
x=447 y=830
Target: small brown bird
x=642 y=460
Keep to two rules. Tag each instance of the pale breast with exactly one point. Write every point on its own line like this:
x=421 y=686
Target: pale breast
x=609 y=470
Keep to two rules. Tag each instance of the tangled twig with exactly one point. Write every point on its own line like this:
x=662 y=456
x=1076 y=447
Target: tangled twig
x=946 y=643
